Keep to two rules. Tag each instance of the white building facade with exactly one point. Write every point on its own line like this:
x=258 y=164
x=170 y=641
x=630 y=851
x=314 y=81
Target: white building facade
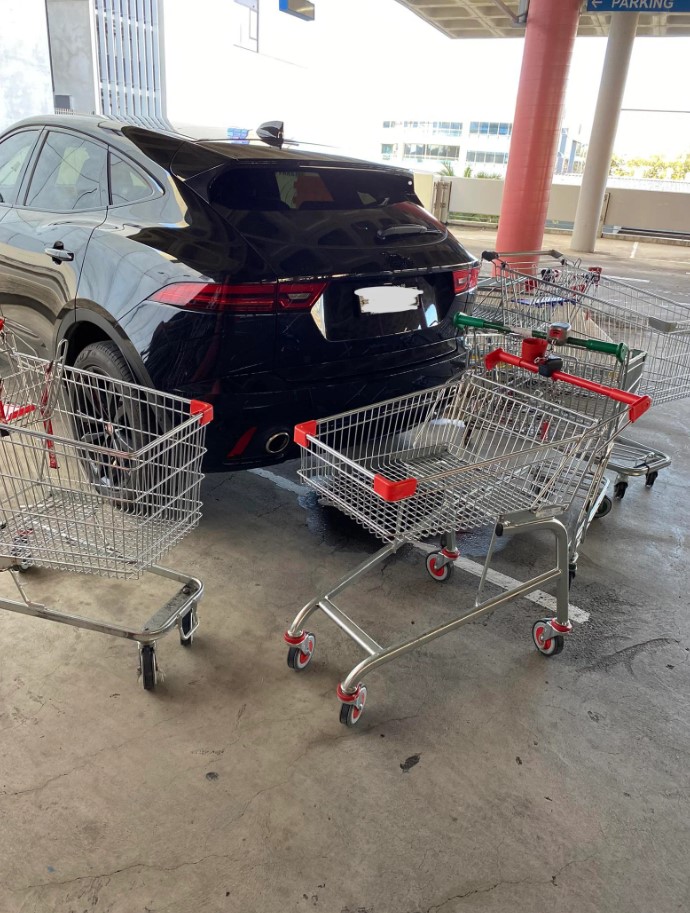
x=470 y=147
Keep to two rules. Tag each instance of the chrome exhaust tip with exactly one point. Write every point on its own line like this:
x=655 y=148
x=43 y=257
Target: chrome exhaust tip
x=277 y=443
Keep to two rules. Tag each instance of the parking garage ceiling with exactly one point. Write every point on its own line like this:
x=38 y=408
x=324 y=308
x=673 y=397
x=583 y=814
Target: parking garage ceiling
x=498 y=19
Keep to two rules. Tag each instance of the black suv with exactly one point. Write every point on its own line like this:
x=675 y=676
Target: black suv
x=244 y=275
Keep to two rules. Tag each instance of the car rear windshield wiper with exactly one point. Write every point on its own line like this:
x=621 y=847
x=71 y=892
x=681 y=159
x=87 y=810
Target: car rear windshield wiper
x=396 y=231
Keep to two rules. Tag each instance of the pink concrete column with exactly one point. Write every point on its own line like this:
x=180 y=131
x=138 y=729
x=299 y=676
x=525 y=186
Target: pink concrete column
x=549 y=37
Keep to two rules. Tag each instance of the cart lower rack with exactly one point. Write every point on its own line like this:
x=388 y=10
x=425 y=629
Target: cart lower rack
x=97 y=477
x=456 y=457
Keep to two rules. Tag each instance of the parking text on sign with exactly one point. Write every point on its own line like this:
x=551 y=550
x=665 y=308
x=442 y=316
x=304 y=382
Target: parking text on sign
x=640 y=6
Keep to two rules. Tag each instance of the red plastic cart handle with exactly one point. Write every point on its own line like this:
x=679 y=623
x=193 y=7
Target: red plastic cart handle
x=203 y=410
x=637 y=405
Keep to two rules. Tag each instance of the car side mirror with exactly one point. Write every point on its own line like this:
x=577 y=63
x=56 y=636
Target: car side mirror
x=272 y=133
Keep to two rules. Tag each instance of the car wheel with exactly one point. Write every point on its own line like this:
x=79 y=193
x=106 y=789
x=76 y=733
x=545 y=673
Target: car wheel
x=105 y=358
x=106 y=417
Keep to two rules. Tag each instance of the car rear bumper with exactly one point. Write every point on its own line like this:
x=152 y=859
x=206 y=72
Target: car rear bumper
x=253 y=427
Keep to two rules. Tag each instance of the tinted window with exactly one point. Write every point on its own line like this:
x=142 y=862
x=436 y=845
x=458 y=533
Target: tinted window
x=69 y=175
x=127 y=185
x=14 y=153
x=270 y=189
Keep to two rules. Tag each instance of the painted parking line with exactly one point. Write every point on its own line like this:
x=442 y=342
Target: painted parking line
x=545 y=600
x=634 y=250
x=539 y=597
x=627 y=279
x=280 y=482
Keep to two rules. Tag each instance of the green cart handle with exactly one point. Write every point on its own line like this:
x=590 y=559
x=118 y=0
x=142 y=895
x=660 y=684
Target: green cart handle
x=619 y=350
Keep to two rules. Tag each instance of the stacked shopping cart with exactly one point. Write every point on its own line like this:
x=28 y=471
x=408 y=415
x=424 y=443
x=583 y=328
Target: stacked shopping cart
x=97 y=477
x=534 y=289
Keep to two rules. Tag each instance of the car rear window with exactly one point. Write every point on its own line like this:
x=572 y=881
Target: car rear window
x=274 y=189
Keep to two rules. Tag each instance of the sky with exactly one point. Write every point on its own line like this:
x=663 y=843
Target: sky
x=399 y=66
x=365 y=61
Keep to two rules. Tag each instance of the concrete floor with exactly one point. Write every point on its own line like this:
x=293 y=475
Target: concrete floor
x=482 y=777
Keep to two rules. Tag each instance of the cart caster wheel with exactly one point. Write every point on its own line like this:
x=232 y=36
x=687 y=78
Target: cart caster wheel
x=148 y=667
x=651 y=478
x=350 y=713
x=436 y=570
x=604 y=508
x=549 y=646
x=299 y=657
x=619 y=490
x=187 y=624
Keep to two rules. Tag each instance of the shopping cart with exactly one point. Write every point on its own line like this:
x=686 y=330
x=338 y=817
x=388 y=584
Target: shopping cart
x=98 y=477
x=527 y=290
x=453 y=458
x=605 y=309
x=608 y=363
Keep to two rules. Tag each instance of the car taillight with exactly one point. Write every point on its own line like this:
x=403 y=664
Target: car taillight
x=246 y=298
x=464 y=280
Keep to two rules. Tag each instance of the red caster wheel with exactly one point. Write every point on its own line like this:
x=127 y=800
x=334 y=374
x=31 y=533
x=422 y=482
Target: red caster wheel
x=353 y=705
x=436 y=569
x=544 y=640
x=300 y=654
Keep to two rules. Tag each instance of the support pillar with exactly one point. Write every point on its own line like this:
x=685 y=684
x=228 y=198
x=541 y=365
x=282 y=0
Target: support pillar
x=614 y=74
x=549 y=38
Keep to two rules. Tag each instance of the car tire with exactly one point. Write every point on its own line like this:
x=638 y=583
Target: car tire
x=106 y=419
x=105 y=358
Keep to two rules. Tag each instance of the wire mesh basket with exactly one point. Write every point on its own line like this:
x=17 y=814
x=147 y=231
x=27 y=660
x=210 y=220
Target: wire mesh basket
x=452 y=458
x=97 y=476
x=596 y=307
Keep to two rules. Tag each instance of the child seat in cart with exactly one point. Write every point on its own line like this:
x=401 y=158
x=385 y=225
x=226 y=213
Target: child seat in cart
x=97 y=477
x=454 y=458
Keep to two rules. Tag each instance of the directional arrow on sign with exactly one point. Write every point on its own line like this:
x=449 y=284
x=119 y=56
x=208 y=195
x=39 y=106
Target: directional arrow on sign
x=638 y=6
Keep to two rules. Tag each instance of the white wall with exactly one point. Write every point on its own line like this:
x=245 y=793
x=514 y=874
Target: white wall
x=25 y=80
x=647 y=209
x=72 y=46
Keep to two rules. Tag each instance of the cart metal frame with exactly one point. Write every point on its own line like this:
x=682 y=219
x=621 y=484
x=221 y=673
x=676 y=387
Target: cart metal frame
x=97 y=477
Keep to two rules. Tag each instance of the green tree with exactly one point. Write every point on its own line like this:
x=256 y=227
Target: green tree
x=620 y=168
x=447 y=169
x=680 y=168
x=655 y=167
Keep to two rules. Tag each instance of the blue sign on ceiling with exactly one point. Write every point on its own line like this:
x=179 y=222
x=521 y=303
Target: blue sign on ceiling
x=638 y=6
x=303 y=9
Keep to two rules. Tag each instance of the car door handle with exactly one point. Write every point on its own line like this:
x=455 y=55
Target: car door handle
x=59 y=254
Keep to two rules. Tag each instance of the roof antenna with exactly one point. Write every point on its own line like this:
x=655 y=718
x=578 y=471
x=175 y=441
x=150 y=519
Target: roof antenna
x=271 y=132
